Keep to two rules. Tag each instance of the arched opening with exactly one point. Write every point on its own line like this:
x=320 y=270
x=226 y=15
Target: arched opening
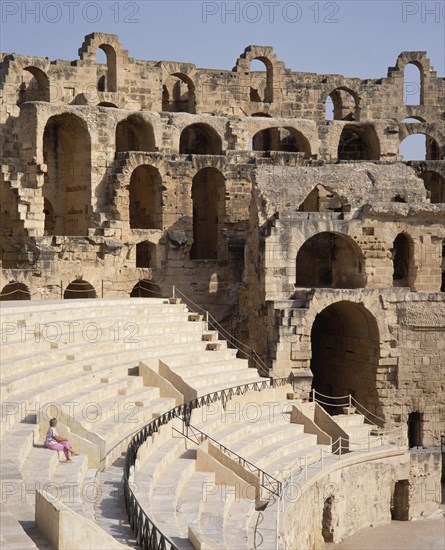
x=281 y=139
x=34 y=86
x=67 y=187
x=321 y=199
x=400 y=501
x=15 y=291
x=146 y=254
x=107 y=104
x=261 y=80
x=50 y=221
x=200 y=139
x=134 y=134
x=435 y=185
x=145 y=198
x=328 y=524
x=178 y=94
x=413 y=84
x=358 y=143
x=345 y=353
x=330 y=260
x=415 y=430
x=79 y=289
x=419 y=147
x=146 y=289
x=341 y=105
x=107 y=74
x=208 y=197
x=402 y=255
x=442 y=287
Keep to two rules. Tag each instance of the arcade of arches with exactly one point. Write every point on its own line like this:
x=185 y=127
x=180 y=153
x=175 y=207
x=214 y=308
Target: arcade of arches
x=236 y=187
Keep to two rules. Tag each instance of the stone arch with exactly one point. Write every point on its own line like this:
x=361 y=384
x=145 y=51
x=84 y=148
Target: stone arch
x=15 y=291
x=200 y=139
x=358 y=143
x=403 y=261
x=175 y=98
x=274 y=73
x=146 y=254
x=208 y=198
x=145 y=288
x=107 y=104
x=281 y=139
x=134 y=133
x=345 y=343
x=330 y=260
x=108 y=82
x=413 y=93
x=322 y=199
x=432 y=147
x=145 y=198
x=67 y=182
x=435 y=185
x=422 y=63
x=34 y=85
x=261 y=90
x=78 y=289
x=345 y=103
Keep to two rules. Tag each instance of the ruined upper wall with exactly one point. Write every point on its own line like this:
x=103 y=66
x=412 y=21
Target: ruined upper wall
x=174 y=86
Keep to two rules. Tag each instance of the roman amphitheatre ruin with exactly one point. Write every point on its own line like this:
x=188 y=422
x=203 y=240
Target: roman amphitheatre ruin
x=233 y=303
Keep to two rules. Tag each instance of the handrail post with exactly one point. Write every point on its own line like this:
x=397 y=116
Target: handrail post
x=369 y=441
x=174 y=291
x=350 y=400
x=339 y=449
x=313 y=395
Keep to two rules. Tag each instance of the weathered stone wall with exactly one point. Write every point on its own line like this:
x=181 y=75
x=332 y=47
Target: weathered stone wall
x=233 y=186
x=362 y=495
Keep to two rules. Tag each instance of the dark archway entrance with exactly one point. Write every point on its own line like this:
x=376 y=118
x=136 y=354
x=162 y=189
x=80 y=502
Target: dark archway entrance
x=345 y=353
x=15 y=291
x=415 y=430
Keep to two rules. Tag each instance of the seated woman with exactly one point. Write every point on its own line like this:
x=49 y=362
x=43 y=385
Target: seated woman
x=55 y=442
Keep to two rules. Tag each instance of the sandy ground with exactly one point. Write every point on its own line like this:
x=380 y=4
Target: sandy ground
x=427 y=534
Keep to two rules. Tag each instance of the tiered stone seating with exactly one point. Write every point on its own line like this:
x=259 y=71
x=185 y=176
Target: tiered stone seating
x=79 y=360
x=359 y=432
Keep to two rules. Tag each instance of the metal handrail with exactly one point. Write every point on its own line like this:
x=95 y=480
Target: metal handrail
x=260 y=365
x=148 y=535
x=267 y=481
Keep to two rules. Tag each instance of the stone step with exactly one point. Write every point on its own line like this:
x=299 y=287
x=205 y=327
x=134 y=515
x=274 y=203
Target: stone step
x=94 y=336
x=113 y=432
x=165 y=496
x=12 y=534
x=213 y=365
x=82 y=308
x=344 y=420
x=17 y=442
x=119 y=408
x=98 y=354
x=236 y=532
x=190 y=501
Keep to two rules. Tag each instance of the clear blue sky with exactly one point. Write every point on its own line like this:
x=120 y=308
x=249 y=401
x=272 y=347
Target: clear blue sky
x=353 y=38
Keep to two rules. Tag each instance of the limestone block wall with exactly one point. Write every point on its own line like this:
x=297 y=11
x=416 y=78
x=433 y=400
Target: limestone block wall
x=345 y=500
